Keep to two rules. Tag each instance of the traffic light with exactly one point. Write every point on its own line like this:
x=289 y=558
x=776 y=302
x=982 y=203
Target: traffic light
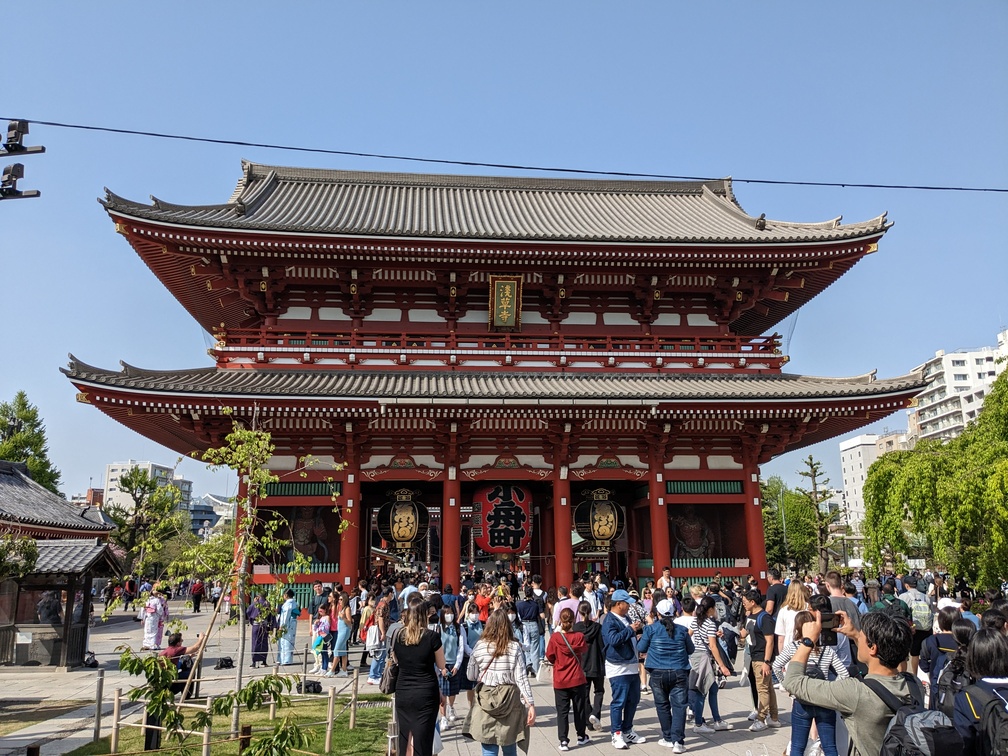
x=13 y=146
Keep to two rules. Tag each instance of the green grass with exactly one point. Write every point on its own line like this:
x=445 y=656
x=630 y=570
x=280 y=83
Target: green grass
x=367 y=738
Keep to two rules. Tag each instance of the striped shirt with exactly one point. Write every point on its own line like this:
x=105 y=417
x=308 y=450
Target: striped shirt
x=505 y=669
x=826 y=660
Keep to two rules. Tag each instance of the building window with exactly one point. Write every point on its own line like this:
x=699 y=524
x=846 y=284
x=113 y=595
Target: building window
x=960 y=377
x=958 y=363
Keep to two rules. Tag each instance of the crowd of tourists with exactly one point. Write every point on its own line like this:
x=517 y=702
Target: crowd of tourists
x=853 y=655
x=841 y=648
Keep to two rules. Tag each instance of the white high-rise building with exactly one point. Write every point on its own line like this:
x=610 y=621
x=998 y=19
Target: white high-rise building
x=856 y=456
x=959 y=381
x=163 y=475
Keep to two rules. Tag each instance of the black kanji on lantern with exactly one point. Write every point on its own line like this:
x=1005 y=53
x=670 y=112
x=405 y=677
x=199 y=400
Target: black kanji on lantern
x=506 y=519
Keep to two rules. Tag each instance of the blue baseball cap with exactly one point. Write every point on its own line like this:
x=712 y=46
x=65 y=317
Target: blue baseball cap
x=622 y=595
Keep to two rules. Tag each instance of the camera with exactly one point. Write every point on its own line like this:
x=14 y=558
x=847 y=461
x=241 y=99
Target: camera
x=828 y=636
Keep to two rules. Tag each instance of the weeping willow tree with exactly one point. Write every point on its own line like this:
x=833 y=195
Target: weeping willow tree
x=953 y=494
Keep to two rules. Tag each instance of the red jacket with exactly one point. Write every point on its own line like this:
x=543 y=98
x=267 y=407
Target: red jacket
x=567 y=670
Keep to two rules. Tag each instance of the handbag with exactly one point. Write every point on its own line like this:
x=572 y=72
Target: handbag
x=390 y=675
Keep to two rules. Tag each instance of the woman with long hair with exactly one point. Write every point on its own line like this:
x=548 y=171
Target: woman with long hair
x=796 y=600
x=706 y=659
x=504 y=708
x=823 y=664
x=955 y=676
x=987 y=663
x=341 y=622
x=417 y=695
x=322 y=643
x=564 y=651
x=594 y=665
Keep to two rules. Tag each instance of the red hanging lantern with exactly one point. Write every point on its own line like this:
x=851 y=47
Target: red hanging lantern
x=502 y=518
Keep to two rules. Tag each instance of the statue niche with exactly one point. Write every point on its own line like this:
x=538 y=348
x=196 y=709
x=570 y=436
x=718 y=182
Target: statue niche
x=694 y=537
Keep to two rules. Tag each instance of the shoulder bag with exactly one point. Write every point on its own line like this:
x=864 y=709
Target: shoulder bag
x=390 y=676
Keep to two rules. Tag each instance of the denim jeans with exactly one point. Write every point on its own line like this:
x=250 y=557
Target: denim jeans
x=669 y=687
x=490 y=749
x=696 y=701
x=802 y=716
x=623 y=707
x=377 y=664
x=530 y=641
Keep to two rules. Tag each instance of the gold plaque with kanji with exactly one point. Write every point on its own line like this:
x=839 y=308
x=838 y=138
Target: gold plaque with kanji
x=505 y=303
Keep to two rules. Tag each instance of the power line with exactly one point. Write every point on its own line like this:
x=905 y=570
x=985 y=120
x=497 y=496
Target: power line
x=510 y=166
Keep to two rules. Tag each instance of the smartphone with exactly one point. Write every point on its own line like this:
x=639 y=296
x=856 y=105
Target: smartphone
x=828 y=636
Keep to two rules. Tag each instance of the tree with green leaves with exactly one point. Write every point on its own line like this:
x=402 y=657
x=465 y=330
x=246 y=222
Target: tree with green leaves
x=951 y=495
x=18 y=555
x=23 y=439
x=788 y=525
x=147 y=528
x=822 y=521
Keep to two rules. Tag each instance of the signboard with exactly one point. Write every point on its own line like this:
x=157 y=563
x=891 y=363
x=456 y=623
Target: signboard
x=505 y=303
x=598 y=519
x=502 y=518
x=403 y=521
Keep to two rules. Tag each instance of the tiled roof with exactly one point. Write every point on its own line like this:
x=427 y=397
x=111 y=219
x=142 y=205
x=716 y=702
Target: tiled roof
x=77 y=555
x=269 y=198
x=391 y=386
x=22 y=500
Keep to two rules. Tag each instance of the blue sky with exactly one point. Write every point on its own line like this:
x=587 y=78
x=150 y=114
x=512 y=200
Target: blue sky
x=897 y=92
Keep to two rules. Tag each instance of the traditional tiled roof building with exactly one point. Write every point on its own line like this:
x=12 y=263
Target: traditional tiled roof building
x=515 y=357
x=28 y=508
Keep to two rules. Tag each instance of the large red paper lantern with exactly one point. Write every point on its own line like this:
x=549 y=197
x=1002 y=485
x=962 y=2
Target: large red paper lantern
x=502 y=518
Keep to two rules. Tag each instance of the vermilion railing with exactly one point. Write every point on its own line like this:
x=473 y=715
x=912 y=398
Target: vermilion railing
x=508 y=349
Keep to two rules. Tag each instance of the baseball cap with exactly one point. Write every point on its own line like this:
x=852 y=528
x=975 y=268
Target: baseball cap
x=665 y=608
x=622 y=595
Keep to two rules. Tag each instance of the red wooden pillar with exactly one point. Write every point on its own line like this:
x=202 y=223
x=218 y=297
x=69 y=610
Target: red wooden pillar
x=350 y=509
x=546 y=547
x=661 y=552
x=755 y=538
x=563 y=548
x=451 y=532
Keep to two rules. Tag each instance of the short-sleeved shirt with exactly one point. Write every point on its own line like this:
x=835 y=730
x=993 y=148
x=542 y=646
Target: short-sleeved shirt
x=416 y=663
x=761 y=627
x=776 y=593
x=703 y=632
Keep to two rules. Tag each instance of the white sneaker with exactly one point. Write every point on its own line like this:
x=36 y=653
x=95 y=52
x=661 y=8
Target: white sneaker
x=594 y=721
x=753 y=716
x=564 y=746
x=445 y=724
x=315 y=670
x=703 y=730
x=775 y=723
x=678 y=748
x=583 y=741
x=757 y=726
x=618 y=743
x=633 y=738
x=452 y=716
x=722 y=725
x=666 y=743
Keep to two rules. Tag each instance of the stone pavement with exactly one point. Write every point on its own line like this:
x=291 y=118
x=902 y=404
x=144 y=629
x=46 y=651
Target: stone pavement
x=69 y=731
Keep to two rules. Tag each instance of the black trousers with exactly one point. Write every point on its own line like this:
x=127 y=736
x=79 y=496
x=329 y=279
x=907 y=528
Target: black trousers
x=566 y=699
x=593 y=701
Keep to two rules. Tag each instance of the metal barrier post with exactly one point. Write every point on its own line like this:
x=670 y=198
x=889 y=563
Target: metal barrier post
x=330 y=715
x=98 y=704
x=353 y=698
x=207 y=730
x=116 y=711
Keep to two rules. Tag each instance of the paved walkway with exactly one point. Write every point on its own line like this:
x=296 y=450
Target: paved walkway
x=71 y=730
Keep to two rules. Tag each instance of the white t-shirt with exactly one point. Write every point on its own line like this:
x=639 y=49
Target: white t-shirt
x=686 y=620
x=785 y=623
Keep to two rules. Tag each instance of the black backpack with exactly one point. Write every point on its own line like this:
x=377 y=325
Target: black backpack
x=992 y=731
x=914 y=730
x=953 y=679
